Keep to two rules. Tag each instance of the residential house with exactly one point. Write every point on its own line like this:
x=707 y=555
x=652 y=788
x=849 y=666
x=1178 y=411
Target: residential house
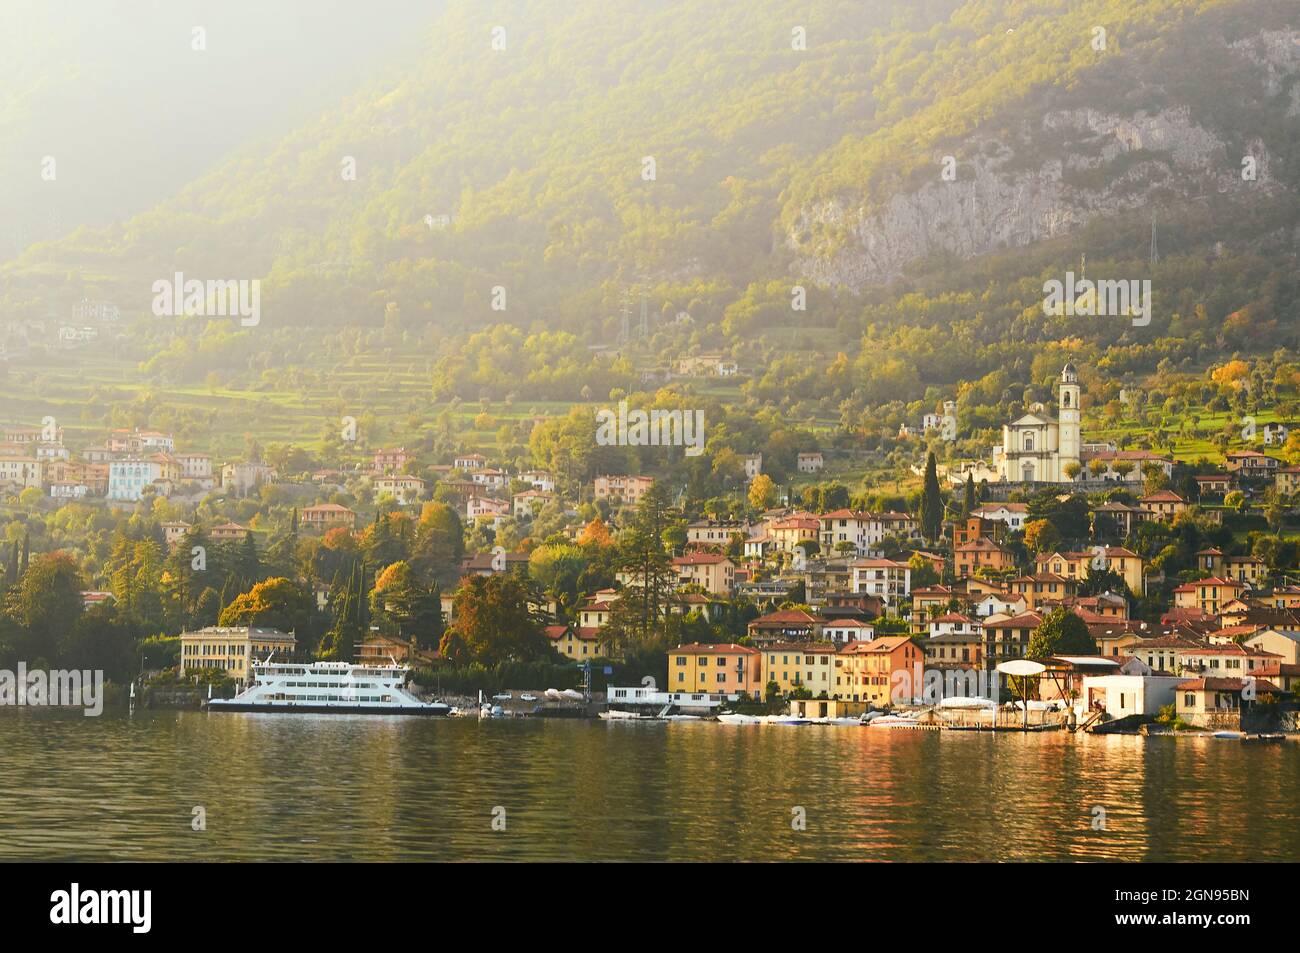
x=325 y=516
x=621 y=487
x=1163 y=505
x=715 y=532
x=196 y=468
x=724 y=668
x=799 y=665
x=810 y=462
x=1207 y=594
x=228 y=533
x=1285 y=645
x=956 y=623
x=1251 y=463
x=1115 y=520
x=539 y=480
x=715 y=574
x=128 y=478
x=843 y=527
x=1110 y=462
x=575 y=643
x=529 y=503
x=484 y=507
x=1163 y=653
x=792 y=532
x=981 y=554
x=1075 y=565
x=1216 y=702
x=785 y=625
x=881 y=671
x=1013 y=515
x=840 y=632
x=404 y=489
x=174 y=531
x=240 y=479
x=1213 y=484
x=975 y=527
x=1008 y=639
x=1230 y=660
x=1042 y=587
x=1285 y=676
x=390 y=460
x=891 y=581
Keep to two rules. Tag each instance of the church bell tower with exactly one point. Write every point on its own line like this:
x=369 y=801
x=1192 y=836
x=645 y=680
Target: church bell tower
x=1070 y=419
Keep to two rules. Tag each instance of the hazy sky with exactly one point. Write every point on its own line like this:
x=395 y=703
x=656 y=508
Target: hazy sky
x=115 y=92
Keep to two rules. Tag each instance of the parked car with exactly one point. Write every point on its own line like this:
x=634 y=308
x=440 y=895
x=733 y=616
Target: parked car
x=528 y=697
x=502 y=697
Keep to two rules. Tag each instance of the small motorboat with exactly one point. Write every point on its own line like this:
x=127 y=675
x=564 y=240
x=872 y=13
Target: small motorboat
x=614 y=714
x=1265 y=738
x=1229 y=735
x=732 y=718
x=894 y=721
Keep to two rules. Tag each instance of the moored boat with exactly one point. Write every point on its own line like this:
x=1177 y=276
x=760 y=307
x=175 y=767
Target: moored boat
x=893 y=721
x=329 y=688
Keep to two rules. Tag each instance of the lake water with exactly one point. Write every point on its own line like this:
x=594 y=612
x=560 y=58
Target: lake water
x=278 y=787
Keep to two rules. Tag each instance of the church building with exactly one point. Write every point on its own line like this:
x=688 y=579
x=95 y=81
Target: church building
x=1037 y=448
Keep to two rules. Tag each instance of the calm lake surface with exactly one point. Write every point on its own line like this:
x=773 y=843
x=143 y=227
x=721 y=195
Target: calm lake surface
x=299 y=787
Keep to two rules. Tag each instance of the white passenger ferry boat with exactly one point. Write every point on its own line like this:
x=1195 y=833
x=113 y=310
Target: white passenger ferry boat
x=327 y=688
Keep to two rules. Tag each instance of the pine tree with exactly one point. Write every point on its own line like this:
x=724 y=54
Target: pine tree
x=638 y=614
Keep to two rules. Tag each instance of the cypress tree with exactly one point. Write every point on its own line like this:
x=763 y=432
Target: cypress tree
x=931 y=512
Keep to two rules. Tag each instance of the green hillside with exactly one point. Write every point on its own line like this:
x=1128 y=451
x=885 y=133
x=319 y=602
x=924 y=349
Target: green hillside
x=536 y=154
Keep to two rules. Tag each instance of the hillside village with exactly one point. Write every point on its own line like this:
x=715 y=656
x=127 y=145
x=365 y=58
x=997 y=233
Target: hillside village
x=1163 y=569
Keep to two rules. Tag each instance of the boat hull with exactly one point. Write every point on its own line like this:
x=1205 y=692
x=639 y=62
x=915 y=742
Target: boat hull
x=435 y=711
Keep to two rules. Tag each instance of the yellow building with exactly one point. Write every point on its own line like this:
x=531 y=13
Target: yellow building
x=800 y=665
x=794 y=530
x=1043 y=587
x=1075 y=565
x=714 y=573
x=231 y=648
x=1208 y=595
x=725 y=668
x=574 y=642
x=1288 y=480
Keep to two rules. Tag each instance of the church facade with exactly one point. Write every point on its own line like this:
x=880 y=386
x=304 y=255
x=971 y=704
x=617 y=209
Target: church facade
x=1037 y=448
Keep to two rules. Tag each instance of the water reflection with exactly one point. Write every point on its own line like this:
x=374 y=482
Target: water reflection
x=384 y=789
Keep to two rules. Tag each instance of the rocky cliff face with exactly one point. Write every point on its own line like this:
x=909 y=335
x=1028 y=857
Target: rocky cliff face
x=1049 y=177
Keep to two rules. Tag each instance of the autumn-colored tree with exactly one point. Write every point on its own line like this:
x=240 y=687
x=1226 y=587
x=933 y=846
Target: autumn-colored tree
x=762 y=492
x=403 y=606
x=276 y=603
x=1041 y=536
x=595 y=533
x=496 y=621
